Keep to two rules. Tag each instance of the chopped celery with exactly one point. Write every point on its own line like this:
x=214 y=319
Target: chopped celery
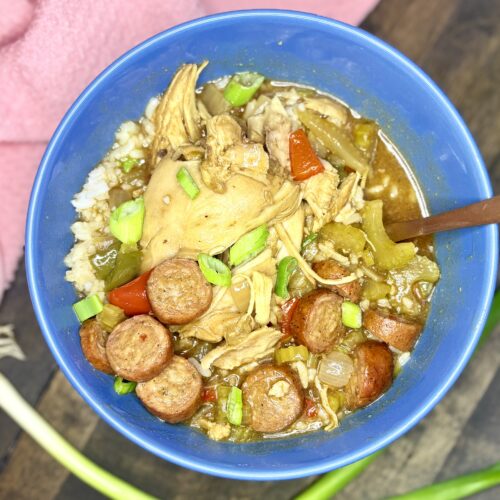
x=122 y=386
x=365 y=136
x=351 y=315
x=335 y=139
x=213 y=99
x=375 y=290
x=286 y=267
x=126 y=221
x=87 y=307
x=299 y=285
x=387 y=254
x=345 y=238
x=127 y=267
x=367 y=257
x=234 y=407
x=292 y=353
x=110 y=316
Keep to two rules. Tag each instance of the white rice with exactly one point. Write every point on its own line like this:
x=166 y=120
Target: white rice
x=92 y=202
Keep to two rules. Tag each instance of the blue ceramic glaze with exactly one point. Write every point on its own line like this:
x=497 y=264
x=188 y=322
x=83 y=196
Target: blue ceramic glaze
x=372 y=78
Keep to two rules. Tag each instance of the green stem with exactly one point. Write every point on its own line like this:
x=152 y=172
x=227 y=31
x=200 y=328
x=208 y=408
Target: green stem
x=331 y=483
x=51 y=441
x=459 y=487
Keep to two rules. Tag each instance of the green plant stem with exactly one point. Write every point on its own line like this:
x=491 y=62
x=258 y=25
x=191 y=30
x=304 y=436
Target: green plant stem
x=459 y=487
x=331 y=483
x=51 y=441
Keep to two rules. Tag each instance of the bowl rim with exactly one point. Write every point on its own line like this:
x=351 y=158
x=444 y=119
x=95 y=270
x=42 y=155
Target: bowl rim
x=181 y=458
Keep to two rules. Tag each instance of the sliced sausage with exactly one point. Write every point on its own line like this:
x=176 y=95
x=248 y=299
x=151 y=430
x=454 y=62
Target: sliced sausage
x=331 y=270
x=175 y=394
x=397 y=331
x=178 y=291
x=274 y=398
x=317 y=320
x=93 y=339
x=372 y=375
x=139 y=348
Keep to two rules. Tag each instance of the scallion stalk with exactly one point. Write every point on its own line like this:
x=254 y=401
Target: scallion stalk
x=187 y=183
x=351 y=315
x=53 y=443
x=88 y=307
x=122 y=386
x=249 y=245
x=214 y=270
x=286 y=267
x=234 y=408
x=128 y=164
x=126 y=221
x=242 y=87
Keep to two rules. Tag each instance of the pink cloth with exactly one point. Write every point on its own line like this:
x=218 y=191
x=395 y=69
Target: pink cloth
x=51 y=49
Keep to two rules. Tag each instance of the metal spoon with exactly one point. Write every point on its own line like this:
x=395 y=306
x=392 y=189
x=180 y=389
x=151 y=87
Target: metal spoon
x=477 y=214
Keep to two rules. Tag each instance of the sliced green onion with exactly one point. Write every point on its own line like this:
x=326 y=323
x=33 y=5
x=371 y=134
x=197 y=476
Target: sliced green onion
x=214 y=270
x=242 y=87
x=126 y=221
x=286 y=267
x=88 y=307
x=292 y=353
x=249 y=245
x=128 y=164
x=234 y=407
x=187 y=183
x=351 y=315
x=122 y=386
x=222 y=395
x=307 y=241
x=110 y=316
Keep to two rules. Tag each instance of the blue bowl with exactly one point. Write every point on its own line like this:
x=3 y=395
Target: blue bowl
x=372 y=78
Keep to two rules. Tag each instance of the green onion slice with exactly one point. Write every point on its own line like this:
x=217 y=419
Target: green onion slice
x=122 y=386
x=292 y=353
x=234 y=408
x=249 y=245
x=126 y=221
x=242 y=87
x=88 y=307
x=307 y=241
x=286 y=267
x=351 y=315
x=128 y=164
x=187 y=183
x=214 y=270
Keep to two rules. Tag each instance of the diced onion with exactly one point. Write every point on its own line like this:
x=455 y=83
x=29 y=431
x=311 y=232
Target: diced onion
x=335 y=369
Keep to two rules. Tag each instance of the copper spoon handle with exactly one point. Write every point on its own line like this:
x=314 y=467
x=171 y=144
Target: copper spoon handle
x=477 y=214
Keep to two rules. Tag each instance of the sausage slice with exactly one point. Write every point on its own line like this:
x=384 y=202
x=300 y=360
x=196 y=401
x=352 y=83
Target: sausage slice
x=274 y=397
x=178 y=291
x=175 y=394
x=397 y=331
x=331 y=270
x=317 y=320
x=372 y=375
x=93 y=339
x=139 y=348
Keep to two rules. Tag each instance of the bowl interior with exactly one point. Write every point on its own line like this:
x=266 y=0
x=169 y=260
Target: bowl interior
x=371 y=78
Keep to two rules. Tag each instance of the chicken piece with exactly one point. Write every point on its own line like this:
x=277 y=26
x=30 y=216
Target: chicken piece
x=211 y=222
x=255 y=115
x=177 y=120
x=251 y=347
x=294 y=226
x=321 y=193
x=333 y=111
x=278 y=127
x=227 y=154
x=349 y=200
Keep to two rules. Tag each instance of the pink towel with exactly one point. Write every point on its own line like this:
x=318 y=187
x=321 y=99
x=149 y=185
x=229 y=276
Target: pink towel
x=51 y=49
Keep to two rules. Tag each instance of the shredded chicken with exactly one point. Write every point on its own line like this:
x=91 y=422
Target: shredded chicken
x=279 y=389
x=323 y=394
x=255 y=115
x=301 y=369
x=211 y=222
x=177 y=120
x=227 y=154
x=294 y=226
x=251 y=347
x=263 y=289
x=277 y=126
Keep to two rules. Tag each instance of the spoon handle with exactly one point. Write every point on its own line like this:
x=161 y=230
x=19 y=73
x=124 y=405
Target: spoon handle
x=477 y=214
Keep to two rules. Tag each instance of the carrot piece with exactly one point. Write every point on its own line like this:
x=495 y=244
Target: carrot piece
x=304 y=162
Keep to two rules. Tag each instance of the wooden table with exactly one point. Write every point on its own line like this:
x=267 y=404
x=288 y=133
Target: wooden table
x=457 y=42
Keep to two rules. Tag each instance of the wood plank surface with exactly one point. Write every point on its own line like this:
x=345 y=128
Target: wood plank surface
x=457 y=42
